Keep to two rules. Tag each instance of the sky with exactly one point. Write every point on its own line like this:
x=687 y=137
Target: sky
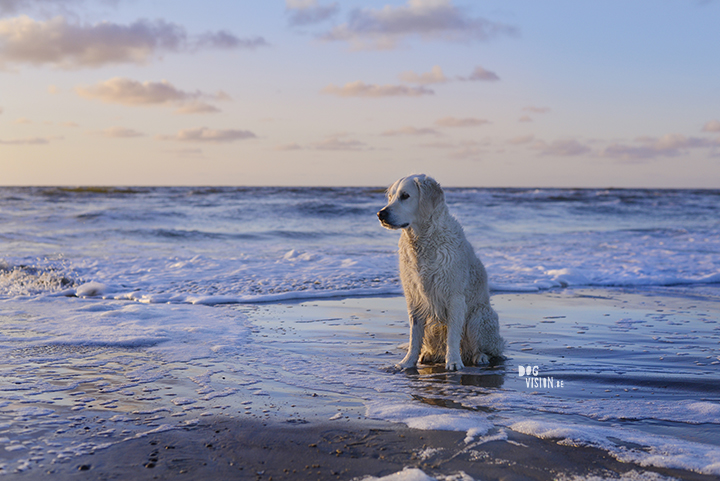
x=477 y=93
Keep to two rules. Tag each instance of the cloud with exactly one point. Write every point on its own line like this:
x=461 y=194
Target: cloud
x=410 y=131
x=205 y=135
x=439 y=145
x=712 y=126
x=361 y=89
x=225 y=40
x=480 y=74
x=124 y=91
x=48 y=8
x=309 y=12
x=522 y=139
x=434 y=76
x=455 y=122
x=196 y=107
x=289 y=147
x=385 y=28
x=10 y=7
x=23 y=121
x=66 y=45
x=468 y=152
x=562 y=148
x=27 y=141
x=646 y=148
x=119 y=133
x=189 y=152
x=339 y=142
x=537 y=110
x=467 y=149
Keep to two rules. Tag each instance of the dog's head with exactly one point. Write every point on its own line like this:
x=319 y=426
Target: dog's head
x=410 y=200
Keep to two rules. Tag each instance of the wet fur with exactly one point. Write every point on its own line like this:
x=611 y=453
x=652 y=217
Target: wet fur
x=445 y=284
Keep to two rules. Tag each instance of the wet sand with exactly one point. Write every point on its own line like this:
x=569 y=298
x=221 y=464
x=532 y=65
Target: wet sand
x=239 y=416
x=224 y=449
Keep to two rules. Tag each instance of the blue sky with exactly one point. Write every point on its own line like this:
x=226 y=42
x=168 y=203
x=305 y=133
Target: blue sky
x=317 y=92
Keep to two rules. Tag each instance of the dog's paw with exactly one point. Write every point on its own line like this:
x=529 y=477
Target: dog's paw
x=454 y=365
x=481 y=358
x=406 y=364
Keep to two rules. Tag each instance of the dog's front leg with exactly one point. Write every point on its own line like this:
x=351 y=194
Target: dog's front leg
x=417 y=332
x=456 y=324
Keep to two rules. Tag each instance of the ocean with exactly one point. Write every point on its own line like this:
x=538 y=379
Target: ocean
x=109 y=295
x=215 y=245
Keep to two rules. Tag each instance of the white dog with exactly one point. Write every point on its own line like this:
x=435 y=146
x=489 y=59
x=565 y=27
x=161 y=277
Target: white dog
x=445 y=284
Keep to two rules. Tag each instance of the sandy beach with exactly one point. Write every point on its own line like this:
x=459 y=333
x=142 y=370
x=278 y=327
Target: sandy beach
x=223 y=449
x=634 y=373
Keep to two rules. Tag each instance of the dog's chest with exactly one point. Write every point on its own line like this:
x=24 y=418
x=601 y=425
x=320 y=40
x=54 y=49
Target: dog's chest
x=421 y=265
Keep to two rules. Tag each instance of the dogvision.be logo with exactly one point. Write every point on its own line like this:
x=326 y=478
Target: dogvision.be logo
x=532 y=380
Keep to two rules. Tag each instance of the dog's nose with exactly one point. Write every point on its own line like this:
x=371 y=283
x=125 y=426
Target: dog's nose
x=382 y=215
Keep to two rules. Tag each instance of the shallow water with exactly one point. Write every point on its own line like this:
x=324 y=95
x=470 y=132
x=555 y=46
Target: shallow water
x=639 y=382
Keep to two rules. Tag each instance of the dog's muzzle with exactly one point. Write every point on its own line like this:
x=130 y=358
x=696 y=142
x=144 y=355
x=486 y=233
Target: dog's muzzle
x=384 y=216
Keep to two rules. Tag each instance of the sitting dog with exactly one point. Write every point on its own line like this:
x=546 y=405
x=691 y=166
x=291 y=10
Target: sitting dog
x=445 y=284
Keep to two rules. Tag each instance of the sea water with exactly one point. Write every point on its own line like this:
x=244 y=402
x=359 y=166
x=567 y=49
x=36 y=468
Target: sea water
x=106 y=293
x=214 y=245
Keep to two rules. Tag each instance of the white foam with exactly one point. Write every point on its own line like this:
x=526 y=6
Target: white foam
x=604 y=276
x=309 y=294
x=625 y=444
x=91 y=289
x=415 y=474
x=271 y=273
x=629 y=445
x=475 y=436
x=687 y=411
x=407 y=474
x=426 y=417
x=631 y=475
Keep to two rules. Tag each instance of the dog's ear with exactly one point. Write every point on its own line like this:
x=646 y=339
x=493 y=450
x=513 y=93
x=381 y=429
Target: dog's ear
x=431 y=194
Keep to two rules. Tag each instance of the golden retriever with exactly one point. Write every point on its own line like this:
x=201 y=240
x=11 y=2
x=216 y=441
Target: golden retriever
x=445 y=284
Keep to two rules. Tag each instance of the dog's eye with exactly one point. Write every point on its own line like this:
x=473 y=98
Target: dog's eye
x=404 y=196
